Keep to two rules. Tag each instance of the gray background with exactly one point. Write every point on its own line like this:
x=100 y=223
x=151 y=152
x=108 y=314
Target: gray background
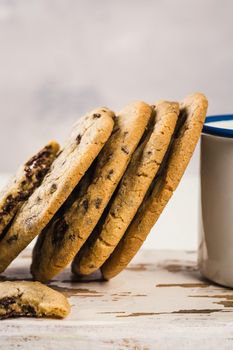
x=59 y=59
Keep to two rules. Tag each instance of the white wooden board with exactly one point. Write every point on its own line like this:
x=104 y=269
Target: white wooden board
x=159 y=302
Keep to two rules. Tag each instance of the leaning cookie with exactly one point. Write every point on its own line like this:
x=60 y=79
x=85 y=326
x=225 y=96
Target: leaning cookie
x=87 y=139
x=31 y=299
x=65 y=235
x=28 y=177
x=141 y=171
x=193 y=109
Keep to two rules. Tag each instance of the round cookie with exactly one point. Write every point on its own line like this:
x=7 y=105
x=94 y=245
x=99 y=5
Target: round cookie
x=194 y=109
x=31 y=299
x=85 y=142
x=141 y=171
x=20 y=187
x=65 y=235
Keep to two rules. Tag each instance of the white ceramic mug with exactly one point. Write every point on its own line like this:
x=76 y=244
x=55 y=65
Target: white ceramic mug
x=215 y=251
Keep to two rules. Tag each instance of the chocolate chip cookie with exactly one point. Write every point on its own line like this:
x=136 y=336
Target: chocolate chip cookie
x=31 y=299
x=85 y=142
x=193 y=112
x=28 y=177
x=65 y=235
x=141 y=171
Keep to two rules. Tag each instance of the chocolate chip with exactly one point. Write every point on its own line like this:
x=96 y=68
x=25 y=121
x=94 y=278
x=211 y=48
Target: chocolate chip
x=10 y=204
x=125 y=149
x=5 y=302
x=126 y=133
x=23 y=195
x=59 y=229
x=48 y=148
x=53 y=188
x=72 y=237
x=39 y=158
x=28 y=172
x=106 y=158
x=98 y=202
x=40 y=162
x=31 y=161
x=149 y=152
x=113 y=214
x=78 y=139
x=13 y=238
x=85 y=204
x=109 y=176
x=9 y=198
x=40 y=175
x=28 y=310
x=96 y=115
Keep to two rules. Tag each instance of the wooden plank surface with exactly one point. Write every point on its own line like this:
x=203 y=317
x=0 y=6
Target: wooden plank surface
x=159 y=302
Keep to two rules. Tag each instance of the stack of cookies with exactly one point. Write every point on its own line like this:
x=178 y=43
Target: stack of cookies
x=94 y=202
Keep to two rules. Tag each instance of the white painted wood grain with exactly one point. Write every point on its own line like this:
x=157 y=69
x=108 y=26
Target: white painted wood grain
x=159 y=302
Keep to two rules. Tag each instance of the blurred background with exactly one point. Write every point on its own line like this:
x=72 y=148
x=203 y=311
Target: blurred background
x=59 y=59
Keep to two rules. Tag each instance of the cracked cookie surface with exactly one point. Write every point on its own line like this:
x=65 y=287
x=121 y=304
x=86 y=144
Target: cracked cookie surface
x=194 y=108
x=141 y=171
x=31 y=299
x=88 y=137
x=28 y=177
x=78 y=221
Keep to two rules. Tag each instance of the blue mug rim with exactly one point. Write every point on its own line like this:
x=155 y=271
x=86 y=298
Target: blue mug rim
x=214 y=130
